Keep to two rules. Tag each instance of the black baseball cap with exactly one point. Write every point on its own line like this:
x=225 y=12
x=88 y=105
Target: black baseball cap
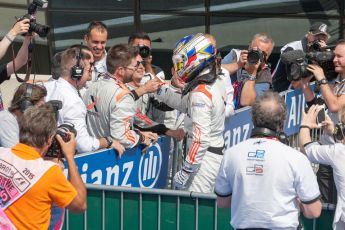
x=319 y=28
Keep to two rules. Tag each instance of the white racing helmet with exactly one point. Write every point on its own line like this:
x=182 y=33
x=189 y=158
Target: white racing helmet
x=191 y=55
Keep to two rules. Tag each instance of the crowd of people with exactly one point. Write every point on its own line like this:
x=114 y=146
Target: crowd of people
x=119 y=99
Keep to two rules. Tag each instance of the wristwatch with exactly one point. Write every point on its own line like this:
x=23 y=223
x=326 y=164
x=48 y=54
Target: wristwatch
x=251 y=77
x=323 y=81
x=110 y=141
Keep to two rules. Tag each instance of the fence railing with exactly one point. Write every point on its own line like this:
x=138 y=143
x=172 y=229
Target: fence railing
x=125 y=208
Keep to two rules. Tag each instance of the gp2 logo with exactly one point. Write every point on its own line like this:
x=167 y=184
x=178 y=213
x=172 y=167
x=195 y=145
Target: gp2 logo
x=150 y=166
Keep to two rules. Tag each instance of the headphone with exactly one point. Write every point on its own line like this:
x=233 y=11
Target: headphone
x=25 y=102
x=77 y=70
x=339 y=131
x=265 y=132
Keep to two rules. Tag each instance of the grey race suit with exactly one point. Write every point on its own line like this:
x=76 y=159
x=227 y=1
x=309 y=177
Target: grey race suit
x=205 y=106
x=110 y=111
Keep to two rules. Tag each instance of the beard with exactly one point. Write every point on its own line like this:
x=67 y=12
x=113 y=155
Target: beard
x=128 y=78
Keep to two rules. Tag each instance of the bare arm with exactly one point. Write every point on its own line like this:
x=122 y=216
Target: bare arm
x=223 y=202
x=21 y=57
x=78 y=204
x=312 y=210
x=308 y=122
x=334 y=103
x=19 y=28
x=150 y=87
x=248 y=93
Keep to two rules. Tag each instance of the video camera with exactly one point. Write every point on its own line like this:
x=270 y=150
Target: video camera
x=41 y=30
x=296 y=62
x=55 y=148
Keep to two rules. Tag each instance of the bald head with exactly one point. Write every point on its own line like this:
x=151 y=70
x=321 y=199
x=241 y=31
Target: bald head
x=269 y=111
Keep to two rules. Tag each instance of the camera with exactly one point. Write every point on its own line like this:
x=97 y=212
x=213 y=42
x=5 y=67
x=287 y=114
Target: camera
x=315 y=46
x=297 y=61
x=55 y=148
x=41 y=30
x=144 y=51
x=254 y=56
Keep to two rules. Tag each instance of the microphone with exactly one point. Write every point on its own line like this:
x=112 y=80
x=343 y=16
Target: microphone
x=291 y=56
x=321 y=56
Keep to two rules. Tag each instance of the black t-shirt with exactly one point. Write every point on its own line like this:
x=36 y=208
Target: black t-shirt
x=3 y=73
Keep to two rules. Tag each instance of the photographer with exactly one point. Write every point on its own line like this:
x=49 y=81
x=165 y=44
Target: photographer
x=25 y=96
x=314 y=40
x=334 y=97
x=332 y=154
x=42 y=182
x=249 y=69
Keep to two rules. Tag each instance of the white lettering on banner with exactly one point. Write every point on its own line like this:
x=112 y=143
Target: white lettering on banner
x=150 y=166
x=97 y=174
x=112 y=171
x=128 y=166
x=295 y=110
x=112 y=174
x=83 y=170
x=239 y=134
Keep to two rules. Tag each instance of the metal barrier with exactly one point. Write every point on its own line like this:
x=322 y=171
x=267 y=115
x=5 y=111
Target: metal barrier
x=138 y=208
x=124 y=208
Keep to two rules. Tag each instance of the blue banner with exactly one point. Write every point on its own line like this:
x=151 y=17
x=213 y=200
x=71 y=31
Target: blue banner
x=133 y=169
x=238 y=127
x=295 y=102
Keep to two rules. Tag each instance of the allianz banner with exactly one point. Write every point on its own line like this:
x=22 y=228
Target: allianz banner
x=239 y=126
x=133 y=169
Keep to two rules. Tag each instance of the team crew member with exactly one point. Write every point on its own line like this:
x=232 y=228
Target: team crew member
x=110 y=104
x=42 y=183
x=263 y=180
x=154 y=109
x=203 y=100
x=333 y=154
x=76 y=68
x=142 y=121
x=96 y=39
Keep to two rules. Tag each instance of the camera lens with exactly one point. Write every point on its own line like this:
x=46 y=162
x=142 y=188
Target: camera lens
x=144 y=51
x=254 y=56
x=41 y=30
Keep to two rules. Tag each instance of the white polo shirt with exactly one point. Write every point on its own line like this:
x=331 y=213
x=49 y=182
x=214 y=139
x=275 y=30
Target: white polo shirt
x=264 y=178
x=333 y=155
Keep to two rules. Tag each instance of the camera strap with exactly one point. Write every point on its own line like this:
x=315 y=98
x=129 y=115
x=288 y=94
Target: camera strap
x=28 y=64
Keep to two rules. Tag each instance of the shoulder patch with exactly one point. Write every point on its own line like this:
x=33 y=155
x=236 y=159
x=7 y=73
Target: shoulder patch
x=123 y=91
x=203 y=89
x=121 y=94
